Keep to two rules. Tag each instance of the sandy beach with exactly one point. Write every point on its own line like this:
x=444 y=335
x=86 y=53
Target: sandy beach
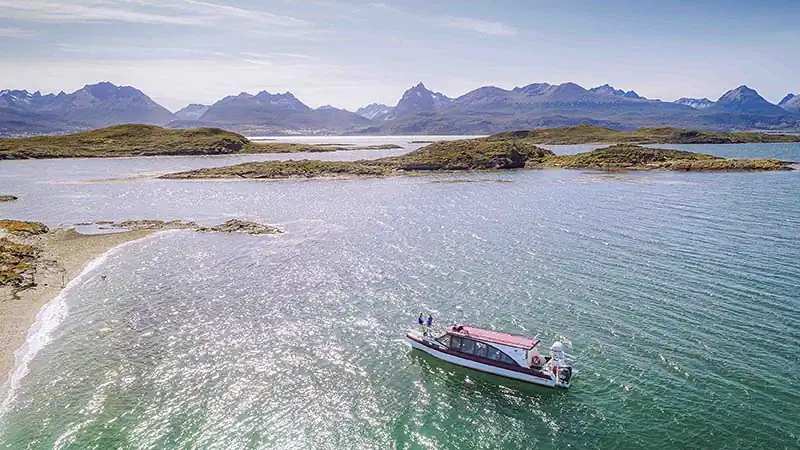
x=64 y=254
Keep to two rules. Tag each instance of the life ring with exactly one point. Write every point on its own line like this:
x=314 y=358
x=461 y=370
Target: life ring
x=537 y=360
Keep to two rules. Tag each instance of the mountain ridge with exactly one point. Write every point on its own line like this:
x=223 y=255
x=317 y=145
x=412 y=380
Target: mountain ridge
x=696 y=103
x=745 y=100
x=790 y=103
x=485 y=110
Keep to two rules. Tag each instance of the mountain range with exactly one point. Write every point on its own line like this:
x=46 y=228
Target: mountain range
x=488 y=109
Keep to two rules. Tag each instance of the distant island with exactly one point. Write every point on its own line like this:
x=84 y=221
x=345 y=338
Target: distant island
x=151 y=140
x=589 y=134
x=485 y=154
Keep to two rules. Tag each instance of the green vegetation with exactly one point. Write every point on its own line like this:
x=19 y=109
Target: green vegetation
x=472 y=154
x=469 y=154
x=634 y=157
x=590 y=134
x=288 y=169
x=126 y=140
x=481 y=155
x=623 y=156
x=16 y=264
x=723 y=165
x=7 y=198
x=149 y=140
x=24 y=228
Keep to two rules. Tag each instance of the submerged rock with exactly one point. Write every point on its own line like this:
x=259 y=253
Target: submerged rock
x=231 y=226
x=242 y=226
x=151 y=224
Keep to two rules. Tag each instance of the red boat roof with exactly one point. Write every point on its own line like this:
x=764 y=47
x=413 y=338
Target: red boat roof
x=494 y=336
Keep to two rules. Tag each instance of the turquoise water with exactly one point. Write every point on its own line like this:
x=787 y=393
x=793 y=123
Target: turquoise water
x=677 y=294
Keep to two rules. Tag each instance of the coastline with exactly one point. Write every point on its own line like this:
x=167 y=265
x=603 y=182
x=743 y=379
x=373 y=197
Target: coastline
x=64 y=255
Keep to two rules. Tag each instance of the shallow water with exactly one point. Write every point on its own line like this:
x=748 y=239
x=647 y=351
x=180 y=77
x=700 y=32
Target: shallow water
x=678 y=294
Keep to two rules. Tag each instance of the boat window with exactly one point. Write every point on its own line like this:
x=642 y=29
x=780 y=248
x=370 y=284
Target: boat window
x=507 y=359
x=455 y=343
x=481 y=349
x=445 y=340
x=468 y=346
x=498 y=355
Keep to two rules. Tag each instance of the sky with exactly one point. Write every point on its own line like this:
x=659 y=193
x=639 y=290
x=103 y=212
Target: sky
x=349 y=53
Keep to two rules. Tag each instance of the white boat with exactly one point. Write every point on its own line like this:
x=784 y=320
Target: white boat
x=502 y=354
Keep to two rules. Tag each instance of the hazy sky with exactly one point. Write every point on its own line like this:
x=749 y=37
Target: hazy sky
x=349 y=53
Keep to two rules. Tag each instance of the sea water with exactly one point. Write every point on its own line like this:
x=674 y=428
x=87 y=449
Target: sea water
x=676 y=293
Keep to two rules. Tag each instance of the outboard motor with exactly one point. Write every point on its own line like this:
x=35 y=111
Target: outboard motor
x=559 y=357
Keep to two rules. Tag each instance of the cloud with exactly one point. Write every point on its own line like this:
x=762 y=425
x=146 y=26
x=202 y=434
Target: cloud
x=96 y=11
x=16 y=33
x=171 y=12
x=478 y=26
x=252 y=15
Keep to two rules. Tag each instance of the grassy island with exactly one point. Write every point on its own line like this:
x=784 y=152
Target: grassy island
x=489 y=154
x=150 y=140
x=591 y=134
x=463 y=155
x=635 y=157
x=126 y=140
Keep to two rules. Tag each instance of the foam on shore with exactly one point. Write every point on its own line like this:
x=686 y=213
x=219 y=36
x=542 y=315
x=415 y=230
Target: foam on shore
x=50 y=316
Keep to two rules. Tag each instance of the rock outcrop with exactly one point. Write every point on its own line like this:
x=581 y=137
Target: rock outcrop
x=242 y=226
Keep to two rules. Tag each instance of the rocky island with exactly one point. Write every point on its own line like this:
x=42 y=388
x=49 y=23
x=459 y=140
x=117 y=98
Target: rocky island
x=491 y=153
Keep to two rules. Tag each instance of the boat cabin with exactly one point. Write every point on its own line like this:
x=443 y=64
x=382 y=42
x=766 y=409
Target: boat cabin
x=492 y=345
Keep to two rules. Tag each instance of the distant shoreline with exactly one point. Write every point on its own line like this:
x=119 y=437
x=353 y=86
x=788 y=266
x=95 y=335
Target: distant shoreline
x=150 y=140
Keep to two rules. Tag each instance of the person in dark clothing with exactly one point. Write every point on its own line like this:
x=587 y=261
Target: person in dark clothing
x=430 y=320
x=421 y=322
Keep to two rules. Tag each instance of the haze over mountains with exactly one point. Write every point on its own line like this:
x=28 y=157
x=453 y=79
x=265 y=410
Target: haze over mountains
x=487 y=109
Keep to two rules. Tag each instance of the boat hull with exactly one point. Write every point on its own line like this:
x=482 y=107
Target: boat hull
x=529 y=377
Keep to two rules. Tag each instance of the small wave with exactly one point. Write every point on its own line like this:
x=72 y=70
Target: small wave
x=48 y=319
